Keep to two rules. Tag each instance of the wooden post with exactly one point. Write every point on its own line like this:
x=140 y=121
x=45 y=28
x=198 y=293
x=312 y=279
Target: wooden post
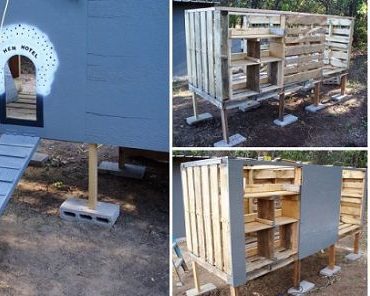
x=281 y=106
x=316 y=99
x=234 y=291
x=196 y=279
x=225 y=128
x=296 y=273
x=332 y=256
x=93 y=176
x=356 y=243
x=343 y=83
x=195 y=106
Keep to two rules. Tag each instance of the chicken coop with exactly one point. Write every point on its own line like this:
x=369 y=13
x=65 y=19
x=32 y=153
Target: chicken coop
x=74 y=71
x=244 y=219
x=278 y=54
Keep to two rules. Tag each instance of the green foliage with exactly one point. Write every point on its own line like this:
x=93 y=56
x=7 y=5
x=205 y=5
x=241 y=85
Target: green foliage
x=353 y=8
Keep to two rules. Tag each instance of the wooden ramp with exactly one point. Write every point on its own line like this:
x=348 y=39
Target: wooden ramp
x=15 y=153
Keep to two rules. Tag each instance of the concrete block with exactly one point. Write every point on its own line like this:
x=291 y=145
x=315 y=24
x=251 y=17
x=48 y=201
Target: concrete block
x=304 y=287
x=129 y=171
x=353 y=256
x=312 y=108
x=249 y=105
x=330 y=272
x=288 y=119
x=76 y=210
x=233 y=141
x=339 y=97
x=200 y=117
x=39 y=159
x=203 y=289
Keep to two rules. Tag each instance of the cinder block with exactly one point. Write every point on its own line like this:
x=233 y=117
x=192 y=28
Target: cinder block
x=288 y=119
x=39 y=159
x=353 y=256
x=339 y=97
x=200 y=117
x=233 y=141
x=203 y=289
x=313 y=108
x=304 y=287
x=76 y=210
x=249 y=105
x=129 y=171
x=330 y=272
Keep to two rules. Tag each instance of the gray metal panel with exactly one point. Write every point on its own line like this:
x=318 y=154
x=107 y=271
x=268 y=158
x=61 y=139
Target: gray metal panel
x=237 y=242
x=320 y=206
x=178 y=218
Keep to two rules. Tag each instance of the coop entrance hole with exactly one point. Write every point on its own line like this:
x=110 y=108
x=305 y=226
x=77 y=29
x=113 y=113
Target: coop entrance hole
x=20 y=104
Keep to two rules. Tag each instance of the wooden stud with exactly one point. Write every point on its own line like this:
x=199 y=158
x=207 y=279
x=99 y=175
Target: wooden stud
x=224 y=122
x=93 y=176
x=356 y=243
x=195 y=106
x=281 y=106
x=296 y=273
x=343 y=83
x=234 y=291
x=331 y=257
x=316 y=98
x=195 y=275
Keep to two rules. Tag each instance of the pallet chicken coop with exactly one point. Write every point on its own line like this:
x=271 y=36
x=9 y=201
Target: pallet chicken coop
x=74 y=71
x=244 y=219
x=237 y=58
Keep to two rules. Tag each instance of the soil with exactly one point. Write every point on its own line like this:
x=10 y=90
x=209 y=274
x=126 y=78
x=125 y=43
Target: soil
x=40 y=254
x=343 y=124
x=351 y=281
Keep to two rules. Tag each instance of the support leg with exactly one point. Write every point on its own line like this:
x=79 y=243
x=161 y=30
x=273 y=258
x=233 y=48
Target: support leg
x=196 y=279
x=225 y=126
x=299 y=287
x=234 y=291
x=281 y=106
x=331 y=269
x=343 y=84
x=331 y=252
x=296 y=273
x=284 y=120
x=356 y=243
x=195 y=106
x=317 y=95
x=198 y=290
x=197 y=117
x=93 y=176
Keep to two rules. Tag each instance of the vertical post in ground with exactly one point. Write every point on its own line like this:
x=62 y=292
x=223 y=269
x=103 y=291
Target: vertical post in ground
x=343 y=83
x=195 y=106
x=356 y=243
x=316 y=98
x=196 y=279
x=296 y=273
x=332 y=257
x=93 y=176
x=234 y=291
x=281 y=106
x=225 y=128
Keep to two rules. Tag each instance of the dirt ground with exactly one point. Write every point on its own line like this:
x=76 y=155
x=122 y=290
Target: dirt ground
x=42 y=255
x=343 y=124
x=351 y=281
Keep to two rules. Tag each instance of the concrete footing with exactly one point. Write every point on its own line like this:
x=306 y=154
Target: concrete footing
x=39 y=159
x=203 y=289
x=353 y=256
x=339 y=97
x=76 y=210
x=200 y=117
x=304 y=287
x=313 y=108
x=288 y=119
x=129 y=171
x=330 y=272
x=233 y=141
x=249 y=105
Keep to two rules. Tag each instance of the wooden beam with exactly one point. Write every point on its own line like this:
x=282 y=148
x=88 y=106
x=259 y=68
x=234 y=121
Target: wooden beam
x=93 y=176
x=316 y=98
x=281 y=106
x=331 y=256
x=356 y=243
x=195 y=107
x=224 y=122
x=343 y=83
x=296 y=273
x=196 y=279
x=234 y=291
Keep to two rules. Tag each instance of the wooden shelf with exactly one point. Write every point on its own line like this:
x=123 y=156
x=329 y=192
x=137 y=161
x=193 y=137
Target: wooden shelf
x=244 y=93
x=284 y=220
x=268 y=88
x=257 y=262
x=270 y=59
x=270 y=193
x=255 y=226
x=266 y=36
x=243 y=62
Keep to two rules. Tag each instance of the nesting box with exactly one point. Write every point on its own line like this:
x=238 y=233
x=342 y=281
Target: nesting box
x=244 y=219
x=100 y=71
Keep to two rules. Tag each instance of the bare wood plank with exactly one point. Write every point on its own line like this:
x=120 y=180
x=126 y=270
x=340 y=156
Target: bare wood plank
x=211 y=60
x=203 y=32
x=192 y=211
x=188 y=231
x=199 y=211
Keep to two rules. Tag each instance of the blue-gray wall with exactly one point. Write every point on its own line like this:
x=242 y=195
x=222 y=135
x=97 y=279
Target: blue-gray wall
x=179 y=40
x=111 y=86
